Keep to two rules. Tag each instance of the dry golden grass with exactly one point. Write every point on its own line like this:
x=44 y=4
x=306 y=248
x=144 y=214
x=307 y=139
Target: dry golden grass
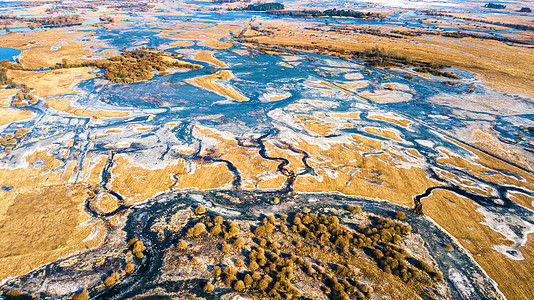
x=114 y=130
x=399 y=121
x=172 y=60
x=106 y=203
x=414 y=153
x=352 y=115
x=5 y=96
x=137 y=184
x=343 y=169
x=486 y=163
x=9 y=115
x=37 y=47
x=383 y=133
x=316 y=125
x=40 y=225
x=63 y=105
x=53 y=82
x=241 y=52
x=208 y=82
x=208 y=57
x=492 y=144
x=252 y=167
x=459 y=217
x=286 y=65
x=525 y=200
x=206 y=34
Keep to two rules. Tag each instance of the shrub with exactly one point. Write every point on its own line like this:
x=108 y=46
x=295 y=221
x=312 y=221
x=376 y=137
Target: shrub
x=229 y=280
x=274 y=246
x=400 y=215
x=218 y=220
x=253 y=266
x=200 y=210
x=138 y=249
x=225 y=248
x=196 y=231
x=83 y=295
x=248 y=280
x=239 y=286
x=217 y=271
x=208 y=287
x=182 y=245
x=216 y=230
x=230 y=271
x=263 y=284
x=129 y=268
x=239 y=243
x=437 y=276
x=132 y=241
x=354 y=209
x=239 y=263
x=14 y=294
x=112 y=279
x=234 y=230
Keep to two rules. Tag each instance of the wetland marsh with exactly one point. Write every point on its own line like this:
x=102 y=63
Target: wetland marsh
x=119 y=130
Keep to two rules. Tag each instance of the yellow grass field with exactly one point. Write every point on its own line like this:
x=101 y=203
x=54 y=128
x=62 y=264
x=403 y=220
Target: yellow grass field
x=209 y=82
x=9 y=115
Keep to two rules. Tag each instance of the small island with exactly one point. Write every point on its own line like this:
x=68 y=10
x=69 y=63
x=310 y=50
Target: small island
x=495 y=6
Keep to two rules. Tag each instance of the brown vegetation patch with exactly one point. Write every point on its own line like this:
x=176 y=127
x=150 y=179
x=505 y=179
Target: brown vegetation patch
x=399 y=121
x=316 y=125
x=208 y=57
x=63 y=105
x=137 y=184
x=459 y=217
x=209 y=82
x=486 y=167
x=46 y=48
x=5 y=96
x=41 y=225
x=330 y=85
x=53 y=82
x=383 y=133
x=9 y=115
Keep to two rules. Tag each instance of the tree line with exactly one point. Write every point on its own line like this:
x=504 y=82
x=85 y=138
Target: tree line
x=65 y=20
x=263 y=7
x=326 y=13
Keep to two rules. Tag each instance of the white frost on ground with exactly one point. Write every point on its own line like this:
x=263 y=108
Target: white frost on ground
x=512 y=227
x=461 y=283
x=396 y=86
x=387 y=96
x=273 y=95
x=353 y=76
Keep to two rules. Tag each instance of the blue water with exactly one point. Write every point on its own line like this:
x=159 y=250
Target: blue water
x=8 y=53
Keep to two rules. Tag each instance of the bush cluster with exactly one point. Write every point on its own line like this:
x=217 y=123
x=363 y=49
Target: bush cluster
x=23 y=99
x=217 y=227
x=137 y=247
x=137 y=65
x=268 y=270
x=112 y=279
